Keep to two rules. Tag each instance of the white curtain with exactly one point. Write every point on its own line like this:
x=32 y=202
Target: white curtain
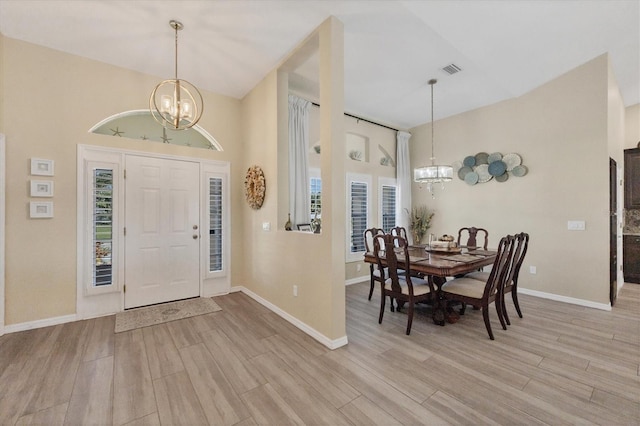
x=299 y=202
x=403 y=178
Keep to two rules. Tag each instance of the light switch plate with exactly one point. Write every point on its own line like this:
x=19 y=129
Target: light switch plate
x=576 y=225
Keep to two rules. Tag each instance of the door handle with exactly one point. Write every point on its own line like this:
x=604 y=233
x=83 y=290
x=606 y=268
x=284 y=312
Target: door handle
x=195 y=236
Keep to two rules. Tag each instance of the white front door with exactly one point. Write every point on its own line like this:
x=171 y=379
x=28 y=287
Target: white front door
x=162 y=230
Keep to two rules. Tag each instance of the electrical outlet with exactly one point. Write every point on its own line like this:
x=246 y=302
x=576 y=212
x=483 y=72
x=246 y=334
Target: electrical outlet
x=358 y=267
x=532 y=270
x=266 y=226
x=295 y=291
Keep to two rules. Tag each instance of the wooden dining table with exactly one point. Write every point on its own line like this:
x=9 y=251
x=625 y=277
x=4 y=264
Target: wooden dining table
x=437 y=265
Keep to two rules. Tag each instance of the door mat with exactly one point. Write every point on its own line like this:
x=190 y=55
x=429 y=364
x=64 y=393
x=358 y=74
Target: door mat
x=158 y=314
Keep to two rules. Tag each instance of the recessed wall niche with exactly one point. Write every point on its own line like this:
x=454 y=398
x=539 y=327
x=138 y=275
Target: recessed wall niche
x=357 y=147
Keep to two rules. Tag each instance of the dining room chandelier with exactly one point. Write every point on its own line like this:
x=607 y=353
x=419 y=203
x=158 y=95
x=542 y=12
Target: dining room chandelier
x=176 y=104
x=433 y=173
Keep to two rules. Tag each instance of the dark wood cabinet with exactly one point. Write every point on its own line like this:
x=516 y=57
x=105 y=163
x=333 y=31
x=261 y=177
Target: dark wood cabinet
x=632 y=178
x=631 y=258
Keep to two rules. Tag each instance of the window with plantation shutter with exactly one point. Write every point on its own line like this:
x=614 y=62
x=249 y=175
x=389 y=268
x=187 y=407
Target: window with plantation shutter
x=215 y=224
x=102 y=227
x=388 y=207
x=99 y=224
x=358 y=201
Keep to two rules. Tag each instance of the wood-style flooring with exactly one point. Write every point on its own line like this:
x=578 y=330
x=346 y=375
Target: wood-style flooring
x=560 y=364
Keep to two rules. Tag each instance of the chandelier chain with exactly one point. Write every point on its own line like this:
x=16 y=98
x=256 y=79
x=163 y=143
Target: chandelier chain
x=176 y=56
x=433 y=173
x=433 y=141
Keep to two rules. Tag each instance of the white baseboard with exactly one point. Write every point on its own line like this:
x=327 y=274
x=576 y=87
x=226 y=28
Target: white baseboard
x=12 y=328
x=565 y=299
x=541 y=294
x=331 y=344
x=357 y=280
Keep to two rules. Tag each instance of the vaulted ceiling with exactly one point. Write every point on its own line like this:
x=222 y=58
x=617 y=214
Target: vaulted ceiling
x=392 y=48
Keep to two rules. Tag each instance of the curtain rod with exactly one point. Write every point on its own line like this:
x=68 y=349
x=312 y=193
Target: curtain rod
x=361 y=119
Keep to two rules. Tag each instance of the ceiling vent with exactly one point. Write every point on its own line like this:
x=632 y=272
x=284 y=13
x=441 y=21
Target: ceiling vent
x=451 y=69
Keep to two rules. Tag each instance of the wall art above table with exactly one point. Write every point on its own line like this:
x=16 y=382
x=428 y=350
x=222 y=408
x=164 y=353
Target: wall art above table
x=483 y=167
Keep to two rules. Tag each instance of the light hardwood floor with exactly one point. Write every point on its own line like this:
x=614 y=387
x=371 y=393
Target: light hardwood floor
x=244 y=365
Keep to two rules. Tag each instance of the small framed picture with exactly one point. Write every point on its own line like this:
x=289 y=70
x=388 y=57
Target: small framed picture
x=306 y=227
x=41 y=167
x=41 y=209
x=42 y=188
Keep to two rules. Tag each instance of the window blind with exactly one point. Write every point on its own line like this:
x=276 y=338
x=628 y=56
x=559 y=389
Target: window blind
x=102 y=227
x=359 y=200
x=388 y=207
x=215 y=224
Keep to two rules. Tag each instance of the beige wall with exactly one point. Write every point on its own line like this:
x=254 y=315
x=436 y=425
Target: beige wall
x=561 y=132
x=276 y=260
x=50 y=100
x=632 y=127
x=2 y=72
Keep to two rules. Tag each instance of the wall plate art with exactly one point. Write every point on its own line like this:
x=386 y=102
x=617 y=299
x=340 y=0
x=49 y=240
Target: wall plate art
x=41 y=167
x=41 y=209
x=41 y=188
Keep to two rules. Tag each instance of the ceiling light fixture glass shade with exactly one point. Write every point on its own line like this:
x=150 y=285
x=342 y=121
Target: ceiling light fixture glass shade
x=433 y=173
x=176 y=104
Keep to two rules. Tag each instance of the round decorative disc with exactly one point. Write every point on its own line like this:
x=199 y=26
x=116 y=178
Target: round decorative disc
x=483 y=173
x=463 y=172
x=482 y=158
x=503 y=177
x=512 y=160
x=494 y=156
x=469 y=161
x=497 y=168
x=519 y=171
x=471 y=178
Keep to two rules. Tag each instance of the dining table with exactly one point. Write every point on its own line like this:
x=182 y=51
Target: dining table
x=437 y=265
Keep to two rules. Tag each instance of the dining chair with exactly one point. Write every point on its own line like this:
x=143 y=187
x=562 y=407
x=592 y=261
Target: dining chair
x=472 y=236
x=375 y=275
x=511 y=282
x=399 y=284
x=481 y=294
x=399 y=231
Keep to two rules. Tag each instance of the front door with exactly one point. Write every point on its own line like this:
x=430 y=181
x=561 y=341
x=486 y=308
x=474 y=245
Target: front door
x=162 y=230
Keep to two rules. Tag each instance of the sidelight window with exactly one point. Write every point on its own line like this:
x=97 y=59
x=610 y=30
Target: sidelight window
x=102 y=227
x=215 y=224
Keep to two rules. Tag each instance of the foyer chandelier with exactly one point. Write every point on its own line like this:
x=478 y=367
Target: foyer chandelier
x=433 y=173
x=176 y=104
